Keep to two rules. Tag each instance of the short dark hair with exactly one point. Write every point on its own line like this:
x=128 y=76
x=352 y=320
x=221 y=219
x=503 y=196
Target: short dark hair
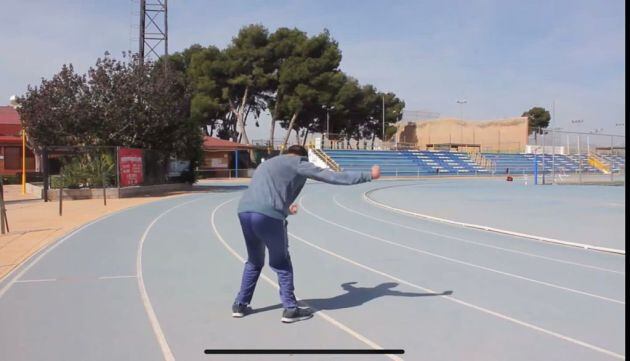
x=298 y=150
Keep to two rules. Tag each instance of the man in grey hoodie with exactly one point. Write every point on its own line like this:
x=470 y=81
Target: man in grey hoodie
x=263 y=210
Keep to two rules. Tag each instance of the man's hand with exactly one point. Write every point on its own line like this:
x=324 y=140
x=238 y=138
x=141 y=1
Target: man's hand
x=376 y=172
x=293 y=209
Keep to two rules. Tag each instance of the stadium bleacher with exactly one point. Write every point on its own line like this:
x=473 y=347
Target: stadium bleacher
x=521 y=163
x=617 y=162
x=406 y=163
x=415 y=162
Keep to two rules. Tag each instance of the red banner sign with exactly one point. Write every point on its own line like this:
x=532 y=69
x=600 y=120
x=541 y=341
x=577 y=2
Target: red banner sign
x=130 y=164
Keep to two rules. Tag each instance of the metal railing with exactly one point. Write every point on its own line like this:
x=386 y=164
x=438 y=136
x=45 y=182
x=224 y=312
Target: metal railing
x=559 y=175
x=482 y=161
x=583 y=145
x=328 y=160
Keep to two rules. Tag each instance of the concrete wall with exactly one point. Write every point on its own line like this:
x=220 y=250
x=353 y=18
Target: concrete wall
x=156 y=189
x=313 y=158
x=504 y=135
x=97 y=193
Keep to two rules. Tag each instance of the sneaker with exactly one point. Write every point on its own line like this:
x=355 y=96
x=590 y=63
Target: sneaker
x=290 y=315
x=239 y=310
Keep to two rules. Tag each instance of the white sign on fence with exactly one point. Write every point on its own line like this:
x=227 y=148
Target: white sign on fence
x=548 y=149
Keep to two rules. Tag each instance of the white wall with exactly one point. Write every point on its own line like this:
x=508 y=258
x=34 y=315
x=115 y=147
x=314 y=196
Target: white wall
x=313 y=158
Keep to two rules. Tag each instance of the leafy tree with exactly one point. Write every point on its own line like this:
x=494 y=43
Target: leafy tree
x=538 y=118
x=393 y=109
x=304 y=78
x=350 y=110
x=207 y=75
x=233 y=83
x=249 y=74
x=373 y=125
x=283 y=44
x=287 y=73
x=117 y=103
x=390 y=131
x=180 y=62
x=58 y=111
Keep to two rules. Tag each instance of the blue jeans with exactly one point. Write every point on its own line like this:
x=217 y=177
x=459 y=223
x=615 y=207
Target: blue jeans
x=261 y=231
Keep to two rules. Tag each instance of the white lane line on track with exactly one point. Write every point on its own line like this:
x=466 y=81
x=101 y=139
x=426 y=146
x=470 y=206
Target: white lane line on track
x=54 y=244
x=115 y=277
x=466 y=304
x=490 y=229
x=45 y=251
x=475 y=243
x=507 y=274
x=153 y=320
x=36 y=281
x=319 y=313
x=74 y=279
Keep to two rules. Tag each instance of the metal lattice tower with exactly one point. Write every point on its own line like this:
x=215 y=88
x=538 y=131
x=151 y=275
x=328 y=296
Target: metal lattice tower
x=153 y=31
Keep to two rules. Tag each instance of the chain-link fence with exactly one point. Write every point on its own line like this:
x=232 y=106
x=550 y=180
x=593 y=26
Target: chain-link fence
x=90 y=167
x=232 y=163
x=277 y=143
x=547 y=156
x=578 y=157
x=326 y=141
x=80 y=167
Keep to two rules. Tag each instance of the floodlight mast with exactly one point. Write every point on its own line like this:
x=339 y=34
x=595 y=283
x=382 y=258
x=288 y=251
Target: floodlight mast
x=152 y=31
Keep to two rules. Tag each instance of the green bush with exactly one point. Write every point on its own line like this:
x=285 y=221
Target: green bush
x=55 y=181
x=86 y=171
x=11 y=179
x=190 y=175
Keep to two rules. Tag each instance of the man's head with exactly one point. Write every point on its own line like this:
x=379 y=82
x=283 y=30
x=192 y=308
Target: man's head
x=297 y=150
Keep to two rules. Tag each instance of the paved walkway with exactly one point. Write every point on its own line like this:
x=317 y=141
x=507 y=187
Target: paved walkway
x=13 y=193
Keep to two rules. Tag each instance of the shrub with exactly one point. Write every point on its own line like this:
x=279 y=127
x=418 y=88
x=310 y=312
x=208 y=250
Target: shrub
x=86 y=171
x=11 y=179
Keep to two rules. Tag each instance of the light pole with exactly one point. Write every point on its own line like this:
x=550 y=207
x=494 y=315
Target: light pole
x=553 y=154
x=461 y=103
x=328 y=120
x=395 y=134
x=577 y=123
x=383 y=139
x=461 y=108
x=594 y=131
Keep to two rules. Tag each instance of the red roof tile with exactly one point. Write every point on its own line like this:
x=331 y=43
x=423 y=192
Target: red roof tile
x=212 y=143
x=8 y=115
x=10 y=140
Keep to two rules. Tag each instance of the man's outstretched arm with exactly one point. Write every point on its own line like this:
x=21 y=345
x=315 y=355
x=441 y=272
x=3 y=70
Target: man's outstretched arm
x=309 y=170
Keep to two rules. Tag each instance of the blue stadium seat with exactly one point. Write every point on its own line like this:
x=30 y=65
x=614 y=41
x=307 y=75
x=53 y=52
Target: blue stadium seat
x=524 y=163
x=414 y=162
x=406 y=163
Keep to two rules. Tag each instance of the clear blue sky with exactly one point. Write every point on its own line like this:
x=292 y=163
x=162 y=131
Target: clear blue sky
x=503 y=57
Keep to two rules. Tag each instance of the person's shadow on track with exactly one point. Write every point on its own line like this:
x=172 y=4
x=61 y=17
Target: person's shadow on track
x=354 y=296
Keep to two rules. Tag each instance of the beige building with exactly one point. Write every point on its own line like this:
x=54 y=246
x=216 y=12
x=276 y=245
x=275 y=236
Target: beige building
x=502 y=135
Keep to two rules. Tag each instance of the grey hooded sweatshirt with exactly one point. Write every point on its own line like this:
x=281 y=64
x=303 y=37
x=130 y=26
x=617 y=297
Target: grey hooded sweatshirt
x=277 y=182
